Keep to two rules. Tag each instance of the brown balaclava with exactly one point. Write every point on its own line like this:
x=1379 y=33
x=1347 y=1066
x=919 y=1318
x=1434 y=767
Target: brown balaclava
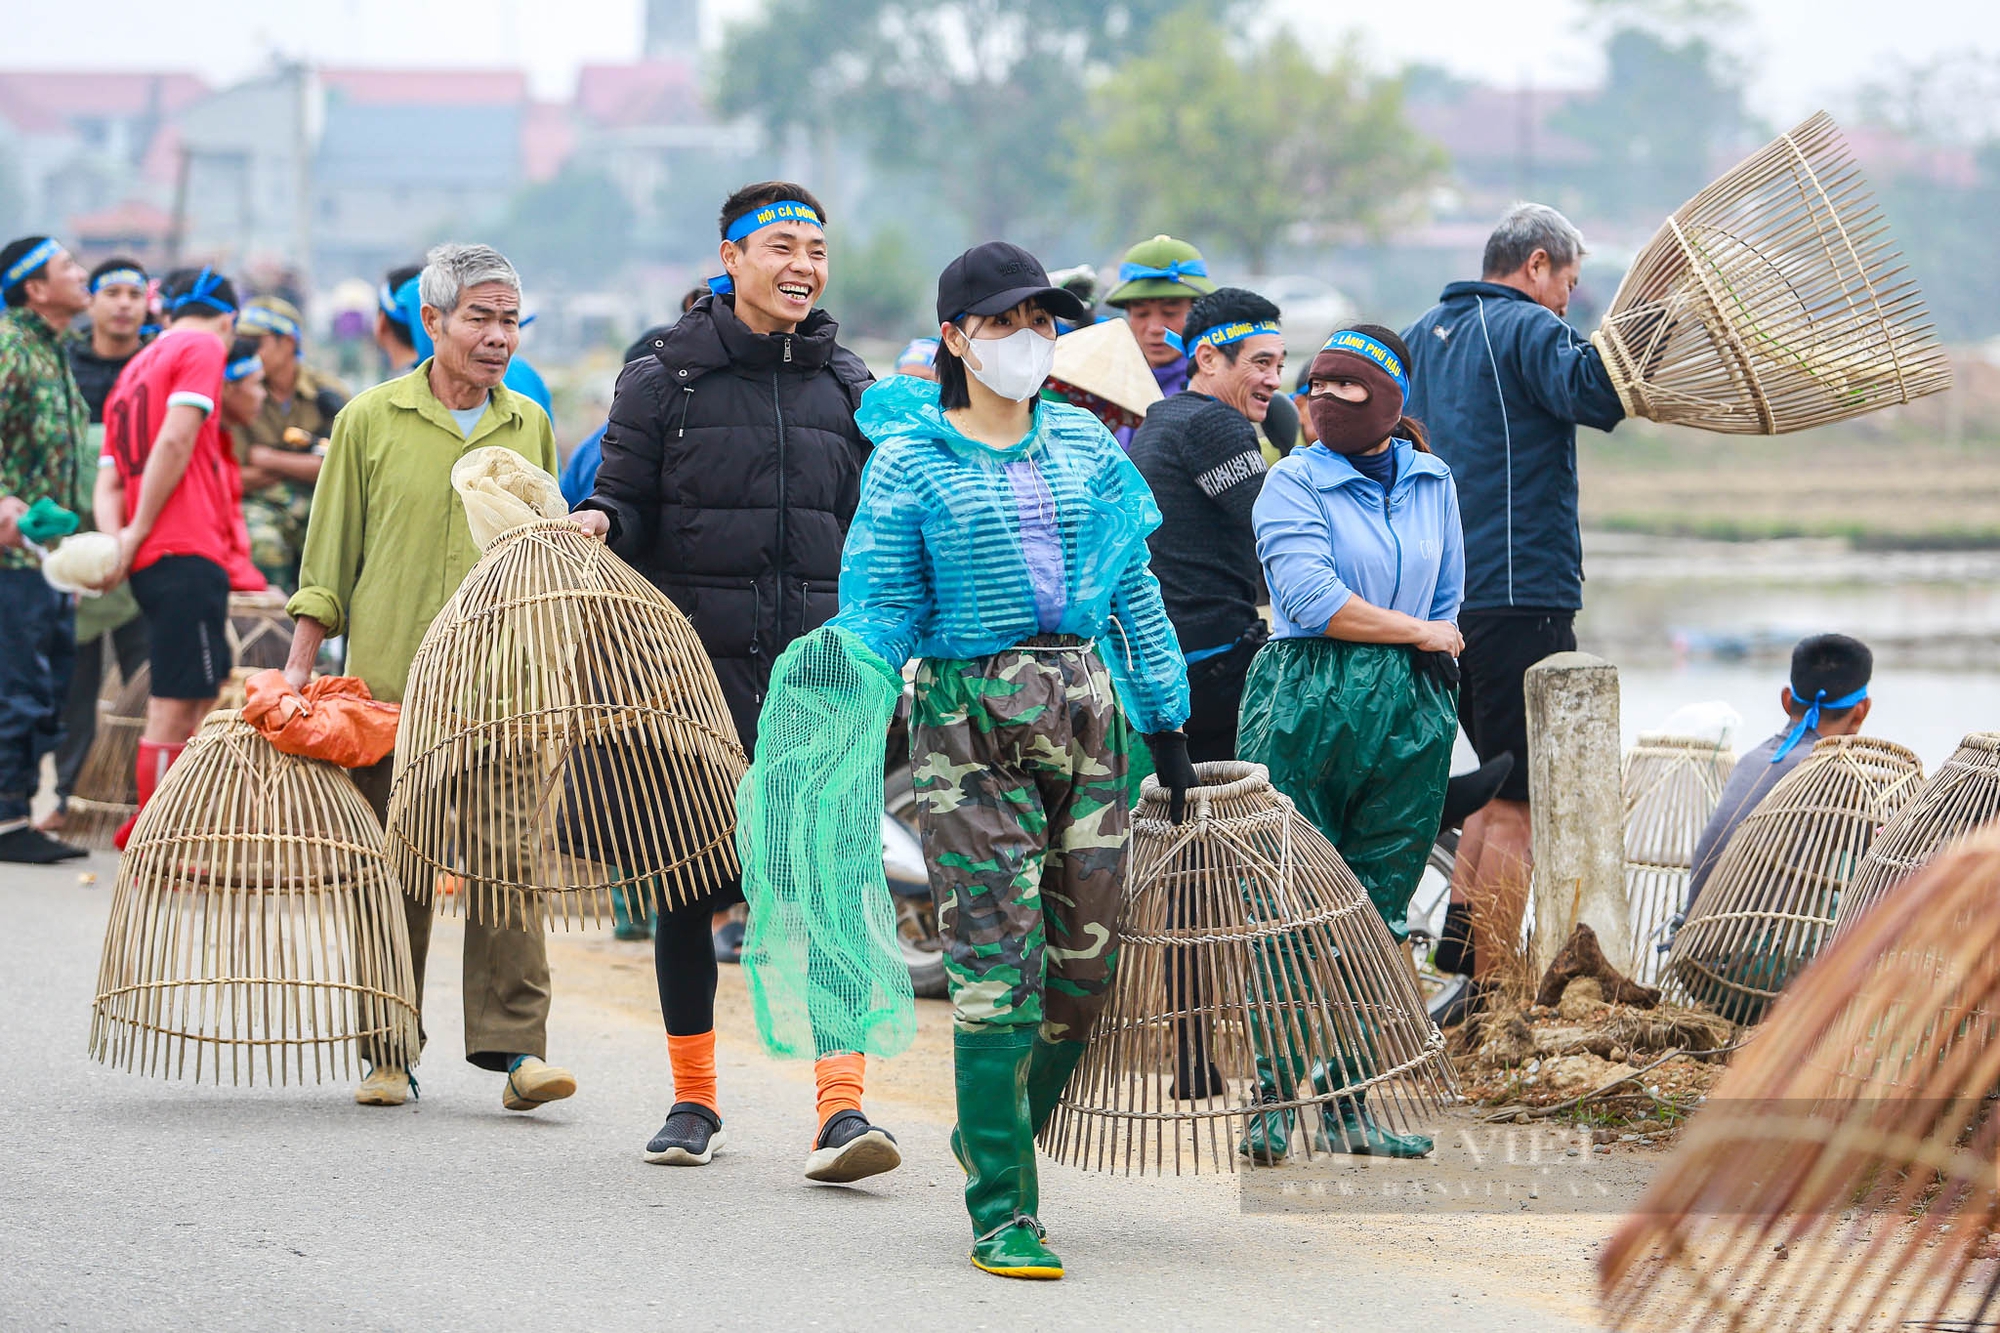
x=1355 y=428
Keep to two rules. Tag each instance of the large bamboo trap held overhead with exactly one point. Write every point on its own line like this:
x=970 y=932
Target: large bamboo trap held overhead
x=1960 y=797
x=1671 y=785
x=563 y=738
x=107 y=786
x=1841 y=1175
x=1769 y=905
x=1772 y=301
x=1244 y=935
x=255 y=929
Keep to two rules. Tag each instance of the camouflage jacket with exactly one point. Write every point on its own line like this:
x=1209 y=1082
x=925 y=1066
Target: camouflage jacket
x=43 y=422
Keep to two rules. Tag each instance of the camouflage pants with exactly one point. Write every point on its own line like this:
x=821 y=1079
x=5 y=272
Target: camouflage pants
x=276 y=518
x=1020 y=764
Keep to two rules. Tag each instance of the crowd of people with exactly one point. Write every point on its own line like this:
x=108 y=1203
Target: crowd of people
x=1330 y=582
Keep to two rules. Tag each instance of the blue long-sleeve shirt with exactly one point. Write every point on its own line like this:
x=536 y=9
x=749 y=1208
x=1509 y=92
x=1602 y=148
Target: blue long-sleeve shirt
x=1326 y=533
x=961 y=550
x=1501 y=383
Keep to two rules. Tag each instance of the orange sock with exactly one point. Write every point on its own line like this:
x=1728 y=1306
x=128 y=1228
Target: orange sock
x=693 y=1061
x=837 y=1079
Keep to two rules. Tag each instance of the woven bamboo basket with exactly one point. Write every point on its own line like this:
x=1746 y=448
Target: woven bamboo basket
x=1841 y=1174
x=1769 y=906
x=1243 y=891
x=260 y=633
x=1772 y=301
x=563 y=739
x=255 y=928
x=1960 y=797
x=1671 y=785
x=107 y=786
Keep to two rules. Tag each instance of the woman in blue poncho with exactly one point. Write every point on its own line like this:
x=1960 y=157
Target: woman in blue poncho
x=1002 y=539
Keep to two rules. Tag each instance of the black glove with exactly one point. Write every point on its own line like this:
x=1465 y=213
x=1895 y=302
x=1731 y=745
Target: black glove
x=1440 y=667
x=1174 y=769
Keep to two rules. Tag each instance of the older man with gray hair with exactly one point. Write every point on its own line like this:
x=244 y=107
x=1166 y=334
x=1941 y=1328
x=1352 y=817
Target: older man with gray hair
x=1502 y=382
x=387 y=545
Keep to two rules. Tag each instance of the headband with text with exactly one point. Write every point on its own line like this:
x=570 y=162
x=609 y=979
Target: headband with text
x=18 y=271
x=1360 y=344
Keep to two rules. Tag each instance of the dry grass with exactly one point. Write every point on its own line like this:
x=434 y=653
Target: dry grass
x=1926 y=474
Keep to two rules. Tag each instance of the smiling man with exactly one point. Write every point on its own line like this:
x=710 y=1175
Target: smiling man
x=732 y=467
x=386 y=546
x=1199 y=452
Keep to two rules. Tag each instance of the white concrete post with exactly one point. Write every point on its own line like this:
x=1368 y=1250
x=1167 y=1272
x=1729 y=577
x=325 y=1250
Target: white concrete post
x=1578 y=809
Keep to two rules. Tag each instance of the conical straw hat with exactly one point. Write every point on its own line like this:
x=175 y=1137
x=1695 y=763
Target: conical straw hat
x=1243 y=921
x=1104 y=359
x=255 y=928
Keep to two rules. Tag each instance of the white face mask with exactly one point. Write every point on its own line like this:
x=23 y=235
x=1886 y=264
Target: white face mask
x=1014 y=366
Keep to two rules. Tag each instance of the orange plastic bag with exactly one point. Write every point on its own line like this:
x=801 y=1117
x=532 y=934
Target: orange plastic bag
x=335 y=718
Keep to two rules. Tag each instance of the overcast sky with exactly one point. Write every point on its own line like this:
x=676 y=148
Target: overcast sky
x=1804 y=53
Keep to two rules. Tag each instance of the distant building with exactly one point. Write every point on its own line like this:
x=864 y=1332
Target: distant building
x=407 y=156
x=80 y=142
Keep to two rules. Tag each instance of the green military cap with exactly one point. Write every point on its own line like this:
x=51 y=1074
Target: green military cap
x=1161 y=268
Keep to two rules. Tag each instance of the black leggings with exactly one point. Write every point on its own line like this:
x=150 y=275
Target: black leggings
x=684 y=966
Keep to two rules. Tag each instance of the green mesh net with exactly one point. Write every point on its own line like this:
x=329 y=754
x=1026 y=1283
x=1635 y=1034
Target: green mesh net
x=825 y=971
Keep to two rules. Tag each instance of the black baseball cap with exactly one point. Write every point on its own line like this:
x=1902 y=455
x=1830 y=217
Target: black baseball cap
x=997 y=276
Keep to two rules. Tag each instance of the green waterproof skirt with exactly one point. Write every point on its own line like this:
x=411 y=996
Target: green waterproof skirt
x=1362 y=744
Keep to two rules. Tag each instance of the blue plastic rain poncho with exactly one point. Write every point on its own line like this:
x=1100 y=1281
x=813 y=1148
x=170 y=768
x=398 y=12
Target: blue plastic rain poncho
x=960 y=550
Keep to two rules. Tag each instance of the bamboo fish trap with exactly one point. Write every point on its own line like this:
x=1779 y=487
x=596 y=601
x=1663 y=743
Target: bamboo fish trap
x=260 y=633
x=1772 y=301
x=563 y=738
x=1841 y=1175
x=107 y=786
x=1671 y=785
x=1245 y=921
x=255 y=929
x=1961 y=796
x=1769 y=906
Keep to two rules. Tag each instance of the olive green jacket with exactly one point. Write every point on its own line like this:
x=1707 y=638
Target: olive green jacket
x=387 y=545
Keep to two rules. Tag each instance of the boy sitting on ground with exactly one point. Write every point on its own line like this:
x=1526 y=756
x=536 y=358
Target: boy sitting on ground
x=1827 y=696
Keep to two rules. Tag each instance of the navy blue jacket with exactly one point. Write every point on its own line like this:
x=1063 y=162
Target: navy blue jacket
x=1501 y=383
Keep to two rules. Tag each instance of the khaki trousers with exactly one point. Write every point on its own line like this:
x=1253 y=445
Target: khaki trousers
x=506 y=969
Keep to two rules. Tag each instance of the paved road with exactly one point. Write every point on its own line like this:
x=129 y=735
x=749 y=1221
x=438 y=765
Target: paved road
x=137 y=1203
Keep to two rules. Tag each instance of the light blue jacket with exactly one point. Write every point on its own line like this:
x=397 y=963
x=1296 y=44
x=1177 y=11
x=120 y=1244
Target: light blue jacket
x=935 y=564
x=1326 y=533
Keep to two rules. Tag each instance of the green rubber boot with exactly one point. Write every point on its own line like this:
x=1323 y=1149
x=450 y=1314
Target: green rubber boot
x=996 y=1140
x=1345 y=1126
x=1269 y=1137
x=1049 y=1069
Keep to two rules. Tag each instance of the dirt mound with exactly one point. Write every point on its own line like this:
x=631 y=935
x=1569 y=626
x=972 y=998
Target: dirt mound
x=1539 y=1057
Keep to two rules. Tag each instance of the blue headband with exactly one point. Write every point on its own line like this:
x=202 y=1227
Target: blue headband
x=769 y=215
x=242 y=370
x=385 y=301
x=1360 y=344
x=1174 y=272
x=19 y=271
x=1810 y=722
x=267 y=320
x=118 y=277
x=1220 y=335
x=204 y=292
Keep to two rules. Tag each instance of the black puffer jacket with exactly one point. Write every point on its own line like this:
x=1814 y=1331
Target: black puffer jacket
x=732 y=466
